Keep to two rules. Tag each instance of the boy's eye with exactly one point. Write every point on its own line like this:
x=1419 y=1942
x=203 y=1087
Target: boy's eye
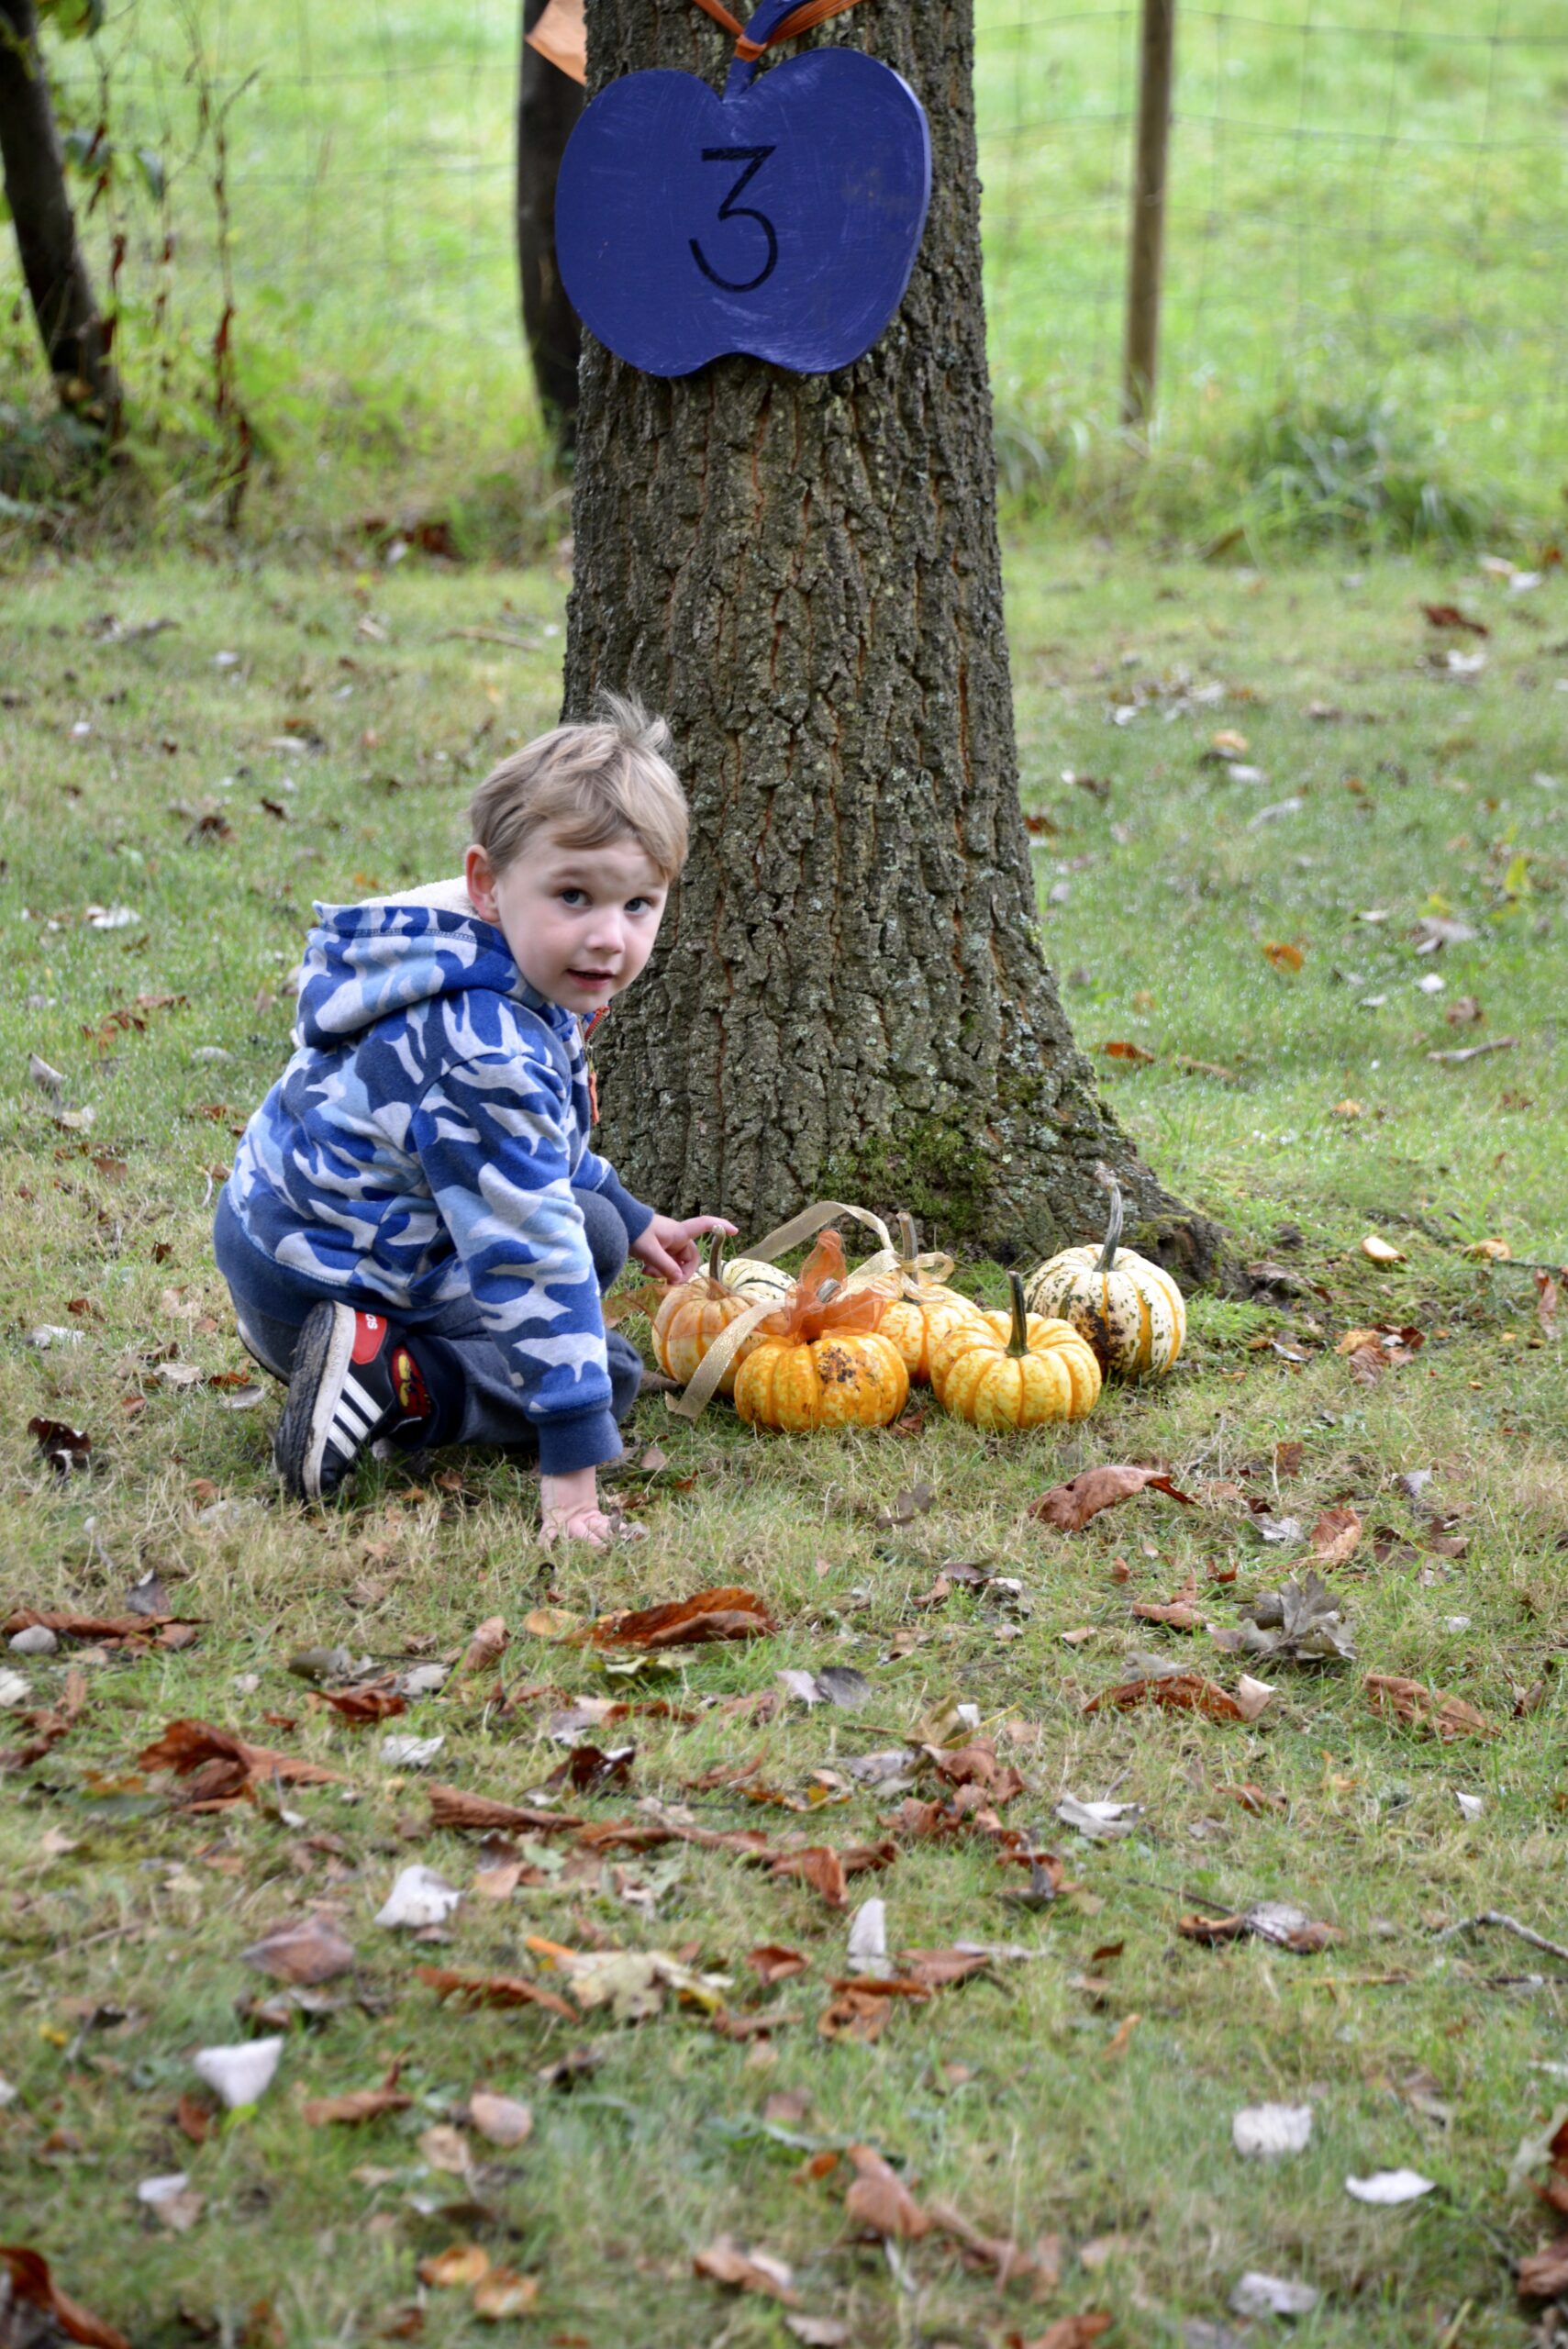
x=573 y=897
x=639 y=904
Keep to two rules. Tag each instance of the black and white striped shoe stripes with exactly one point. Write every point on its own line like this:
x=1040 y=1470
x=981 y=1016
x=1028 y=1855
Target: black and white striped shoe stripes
x=343 y=1394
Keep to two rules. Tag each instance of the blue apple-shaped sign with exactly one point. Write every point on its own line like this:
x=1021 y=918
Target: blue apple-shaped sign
x=782 y=219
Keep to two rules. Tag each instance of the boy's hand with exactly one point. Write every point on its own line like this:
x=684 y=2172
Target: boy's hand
x=669 y=1248
x=570 y=1511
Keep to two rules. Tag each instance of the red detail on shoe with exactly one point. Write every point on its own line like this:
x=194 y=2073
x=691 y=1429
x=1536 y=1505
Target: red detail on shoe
x=413 y=1396
x=370 y=1336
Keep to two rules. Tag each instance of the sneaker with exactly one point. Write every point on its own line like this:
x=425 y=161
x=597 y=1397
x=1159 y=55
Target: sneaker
x=354 y=1382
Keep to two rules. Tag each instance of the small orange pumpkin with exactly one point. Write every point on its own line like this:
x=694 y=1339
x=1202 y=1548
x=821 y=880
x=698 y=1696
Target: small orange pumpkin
x=1014 y=1370
x=694 y=1314
x=923 y=1311
x=822 y=1362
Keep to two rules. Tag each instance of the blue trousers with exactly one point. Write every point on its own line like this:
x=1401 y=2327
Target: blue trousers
x=462 y=1366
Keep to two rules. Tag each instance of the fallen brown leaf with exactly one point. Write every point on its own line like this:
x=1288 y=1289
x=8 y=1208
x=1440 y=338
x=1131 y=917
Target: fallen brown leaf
x=1008 y=2262
x=500 y=2119
x=487 y=1646
x=728 y=1613
x=362 y=1707
x=462 y=2263
x=1177 y=1691
x=1071 y=1506
x=32 y=2283
x=772 y=1963
x=1543 y=2276
x=1067 y=2333
x=186 y=1746
x=1335 y=1536
x=471 y=1991
x=454 y=1807
x=359 y=2104
x=504 y=2292
x=302 y=1949
x=819 y=1865
x=1419 y=1707
x=879 y=2200
x=728 y=2262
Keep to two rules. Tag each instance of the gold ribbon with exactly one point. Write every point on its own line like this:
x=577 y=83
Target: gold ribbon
x=710 y=1371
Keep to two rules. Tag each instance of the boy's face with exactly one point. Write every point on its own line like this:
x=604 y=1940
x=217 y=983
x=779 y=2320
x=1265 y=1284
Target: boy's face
x=581 y=922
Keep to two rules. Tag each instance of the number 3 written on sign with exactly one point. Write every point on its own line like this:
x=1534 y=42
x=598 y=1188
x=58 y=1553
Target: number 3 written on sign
x=753 y=158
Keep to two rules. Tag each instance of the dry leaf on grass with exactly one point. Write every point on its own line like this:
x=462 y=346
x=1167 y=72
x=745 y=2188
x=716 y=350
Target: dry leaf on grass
x=188 y=1746
x=1178 y=1613
x=504 y=2292
x=1418 y=1707
x=1007 y=2261
x=773 y=1962
x=487 y=1646
x=820 y=1867
x=1335 y=1536
x=455 y=1807
x=102 y=1630
x=500 y=2119
x=461 y=2263
x=1379 y=1250
x=879 y=2200
x=302 y=1950
x=472 y=1991
x=1386 y=1347
x=358 y=2105
x=1067 y=2333
x=1299 y=1623
x=1543 y=2275
x=728 y=2262
x=362 y=1707
x=32 y=2283
x=1269 y=1921
x=1183 y=1692
x=727 y=1613
x=1070 y=1506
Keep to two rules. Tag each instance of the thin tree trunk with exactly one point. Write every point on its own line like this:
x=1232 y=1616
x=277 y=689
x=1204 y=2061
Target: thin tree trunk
x=850 y=998
x=75 y=340
x=548 y=103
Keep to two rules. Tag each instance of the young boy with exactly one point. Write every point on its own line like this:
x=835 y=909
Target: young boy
x=415 y=1234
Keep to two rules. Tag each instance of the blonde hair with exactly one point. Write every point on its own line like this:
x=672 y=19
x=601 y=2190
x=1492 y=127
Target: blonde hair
x=606 y=779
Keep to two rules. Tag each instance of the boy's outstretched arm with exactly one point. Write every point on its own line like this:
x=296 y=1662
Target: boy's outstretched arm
x=669 y=1246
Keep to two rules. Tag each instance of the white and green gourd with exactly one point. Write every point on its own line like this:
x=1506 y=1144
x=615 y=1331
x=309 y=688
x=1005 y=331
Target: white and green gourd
x=1131 y=1311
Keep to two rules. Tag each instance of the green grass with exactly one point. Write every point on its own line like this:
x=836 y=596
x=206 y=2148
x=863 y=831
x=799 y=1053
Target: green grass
x=119 y=1956
x=1364 y=215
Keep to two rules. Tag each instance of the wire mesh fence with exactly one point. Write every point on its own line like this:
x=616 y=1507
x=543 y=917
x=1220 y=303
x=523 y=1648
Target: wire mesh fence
x=1368 y=200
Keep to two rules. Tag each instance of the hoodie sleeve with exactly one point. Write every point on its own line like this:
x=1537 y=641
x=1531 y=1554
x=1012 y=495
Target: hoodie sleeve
x=597 y=1173
x=491 y=1135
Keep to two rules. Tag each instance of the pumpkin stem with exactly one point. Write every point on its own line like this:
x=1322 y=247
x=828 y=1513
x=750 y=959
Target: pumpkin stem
x=1018 y=1338
x=908 y=1242
x=1113 y=1231
x=715 y=1257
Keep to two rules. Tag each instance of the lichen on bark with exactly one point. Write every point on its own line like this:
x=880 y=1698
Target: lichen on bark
x=804 y=573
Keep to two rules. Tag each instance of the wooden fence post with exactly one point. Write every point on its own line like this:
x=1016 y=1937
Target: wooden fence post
x=1146 y=242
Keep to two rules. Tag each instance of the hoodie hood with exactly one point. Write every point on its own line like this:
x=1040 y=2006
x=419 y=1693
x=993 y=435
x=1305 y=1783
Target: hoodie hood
x=364 y=963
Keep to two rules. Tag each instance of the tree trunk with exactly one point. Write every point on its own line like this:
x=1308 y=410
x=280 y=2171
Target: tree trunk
x=849 y=998
x=75 y=339
x=548 y=103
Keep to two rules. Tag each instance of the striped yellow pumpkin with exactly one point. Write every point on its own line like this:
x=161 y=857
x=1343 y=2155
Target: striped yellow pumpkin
x=1014 y=1370
x=1131 y=1311
x=923 y=1311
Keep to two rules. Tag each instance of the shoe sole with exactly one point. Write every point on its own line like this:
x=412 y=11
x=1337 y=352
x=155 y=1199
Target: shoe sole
x=321 y=1361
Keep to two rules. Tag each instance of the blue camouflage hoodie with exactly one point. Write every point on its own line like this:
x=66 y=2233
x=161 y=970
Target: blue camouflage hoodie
x=423 y=1144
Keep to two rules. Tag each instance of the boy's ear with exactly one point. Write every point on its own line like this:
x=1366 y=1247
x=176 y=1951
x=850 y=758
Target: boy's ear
x=479 y=883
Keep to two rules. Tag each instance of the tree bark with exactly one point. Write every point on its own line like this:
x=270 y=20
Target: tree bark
x=850 y=998
x=75 y=339
x=548 y=103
